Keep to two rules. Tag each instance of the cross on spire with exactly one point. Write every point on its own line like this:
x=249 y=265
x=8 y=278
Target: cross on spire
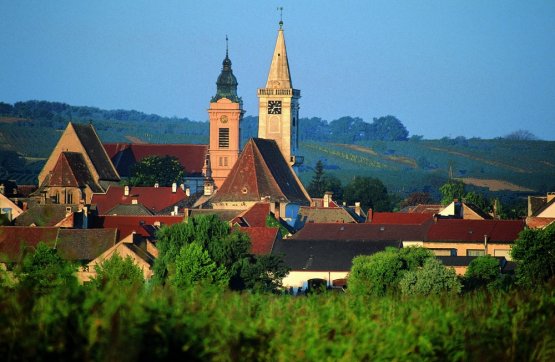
x=280 y=9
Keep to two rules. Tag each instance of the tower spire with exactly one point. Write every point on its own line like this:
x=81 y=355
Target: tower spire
x=226 y=47
x=280 y=8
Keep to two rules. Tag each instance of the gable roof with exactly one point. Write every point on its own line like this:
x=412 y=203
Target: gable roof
x=361 y=232
x=326 y=255
x=71 y=171
x=133 y=209
x=262 y=238
x=154 y=199
x=548 y=205
x=95 y=151
x=262 y=172
x=84 y=244
x=143 y=225
x=42 y=215
x=15 y=241
x=461 y=230
x=425 y=208
x=399 y=218
x=255 y=216
x=323 y=215
x=125 y=155
x=535 y=222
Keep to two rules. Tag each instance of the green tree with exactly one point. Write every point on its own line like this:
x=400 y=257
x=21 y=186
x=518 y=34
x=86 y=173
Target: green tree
x=322 y=182
x=155 y=169
x=432 y=278
x=452 y=189
x=369 y=191
x=482 y=271
x=388 y=128
x=45 y=270
x=416 y=198
x=479 y=200
x=380 y=273
x=117 y=271
x=534 y=252
x=194 y=266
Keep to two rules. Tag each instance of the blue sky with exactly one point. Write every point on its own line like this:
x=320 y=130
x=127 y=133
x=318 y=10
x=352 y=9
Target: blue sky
x=444 y=68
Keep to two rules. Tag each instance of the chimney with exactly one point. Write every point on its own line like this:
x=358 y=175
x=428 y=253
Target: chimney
x=174 y=188
x=182 y=187
x=156 y=185
x=370 y=215
x=327 y=198
x=176 y=210
x=357 y=208
x=188 y=192
x=126 y=191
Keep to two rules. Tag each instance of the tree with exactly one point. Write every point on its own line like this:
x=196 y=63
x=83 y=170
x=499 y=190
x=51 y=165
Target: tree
x=193 y=266
x=521 y=135
x=45 y=270
x=321 y=182
x=432 y=278
x=416 y=198
x=118 y=272
x=479 y=200
x=388 y=128
x=534 y=252
x=482 y=271
x=155 y=169
x=381 y=273
x=452 y=189
x=370 y=192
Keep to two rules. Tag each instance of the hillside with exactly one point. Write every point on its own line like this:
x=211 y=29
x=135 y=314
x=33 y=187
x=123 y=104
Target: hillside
x=29 y=131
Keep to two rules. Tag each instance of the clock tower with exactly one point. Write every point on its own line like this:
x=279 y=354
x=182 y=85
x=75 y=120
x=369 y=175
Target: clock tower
x=225 y=114
x=278 y=112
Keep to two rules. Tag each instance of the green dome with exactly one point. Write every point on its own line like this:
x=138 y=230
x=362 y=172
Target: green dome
x=226 y=85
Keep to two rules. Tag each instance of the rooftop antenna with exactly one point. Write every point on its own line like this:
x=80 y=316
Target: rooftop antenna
x=280 y=9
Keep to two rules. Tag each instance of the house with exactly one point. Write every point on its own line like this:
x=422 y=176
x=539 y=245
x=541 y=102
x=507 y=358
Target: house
x=141 y=251
x=326 y=251
x=8 y=210
x=143 y=225
x=541 y=211
x=191 y=157
x=77 y=168
x=261 y=173
x=463 y=210
x=459 y=237
x=326 y=210
x=157 y=200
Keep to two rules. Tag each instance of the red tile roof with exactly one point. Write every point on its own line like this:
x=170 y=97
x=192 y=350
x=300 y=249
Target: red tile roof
x=370 y=232
x=427 y=209
x=538 y=222
x=255 y=216
x=262 y=239
x=398 y=218
x=124 y=155
x=153 y=198
x=13 y=238
x=71 y=170
x=142 y=225
x=474 y=230
x=261 y=171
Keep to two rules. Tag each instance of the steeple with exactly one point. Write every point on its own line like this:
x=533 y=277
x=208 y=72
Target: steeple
x=226 y=85
x=279 y=76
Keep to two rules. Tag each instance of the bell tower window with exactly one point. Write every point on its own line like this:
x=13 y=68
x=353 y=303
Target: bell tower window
x=223 y=139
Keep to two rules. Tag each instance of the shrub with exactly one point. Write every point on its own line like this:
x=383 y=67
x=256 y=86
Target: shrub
x=432 y=278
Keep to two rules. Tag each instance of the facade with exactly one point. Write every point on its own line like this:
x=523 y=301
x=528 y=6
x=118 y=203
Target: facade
x=278 y=112
x=225 y=113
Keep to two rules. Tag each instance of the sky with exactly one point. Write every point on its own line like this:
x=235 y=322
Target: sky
x=468 y=68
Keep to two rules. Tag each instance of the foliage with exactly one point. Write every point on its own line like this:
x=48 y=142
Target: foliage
x=322 y=182
x=117 y=271
x=534 y=252
x=194 y=266
x=381 y=272
x=482 y=271
x=388 y=128
x=369 y=191
x=45 y=270
x=432 y=279
x=227 y=247
x=416 y=198
x=155 y=169
x=452 y=189
x=479 y=200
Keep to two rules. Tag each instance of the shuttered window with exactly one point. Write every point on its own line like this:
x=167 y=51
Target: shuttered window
x=223 y=140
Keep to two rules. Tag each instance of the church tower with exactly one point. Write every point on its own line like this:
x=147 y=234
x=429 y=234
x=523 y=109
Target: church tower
x=225 y=113
x=278 y=109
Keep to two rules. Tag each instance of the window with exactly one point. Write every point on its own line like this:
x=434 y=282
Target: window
x=69 y=197
x=220 y=161
x=475 y=252
x=444 y=252
x=223 y=138
x=225 y=161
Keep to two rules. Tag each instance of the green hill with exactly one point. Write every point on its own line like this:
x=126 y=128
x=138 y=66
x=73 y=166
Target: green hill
x=30 y=130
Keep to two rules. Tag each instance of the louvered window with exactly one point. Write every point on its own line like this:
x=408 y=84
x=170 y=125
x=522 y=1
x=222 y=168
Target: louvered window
x=224 y=137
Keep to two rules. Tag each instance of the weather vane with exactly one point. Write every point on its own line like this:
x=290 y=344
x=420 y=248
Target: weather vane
x=280 y=8
x=226 y=47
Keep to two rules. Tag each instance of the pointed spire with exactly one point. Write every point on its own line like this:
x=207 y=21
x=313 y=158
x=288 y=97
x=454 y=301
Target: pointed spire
x=279 y=76
x=226 y=85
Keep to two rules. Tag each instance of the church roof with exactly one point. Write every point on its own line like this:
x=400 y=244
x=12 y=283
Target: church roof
x=262 y=172
x=125 y=155
x=279 y=75
x=96 y=153
x=71 y=171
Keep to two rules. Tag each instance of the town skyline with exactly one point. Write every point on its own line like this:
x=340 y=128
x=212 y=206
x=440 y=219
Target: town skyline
x=443 y=69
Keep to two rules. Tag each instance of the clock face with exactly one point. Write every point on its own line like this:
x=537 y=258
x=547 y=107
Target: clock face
x=274 y=107
x=223 y=119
